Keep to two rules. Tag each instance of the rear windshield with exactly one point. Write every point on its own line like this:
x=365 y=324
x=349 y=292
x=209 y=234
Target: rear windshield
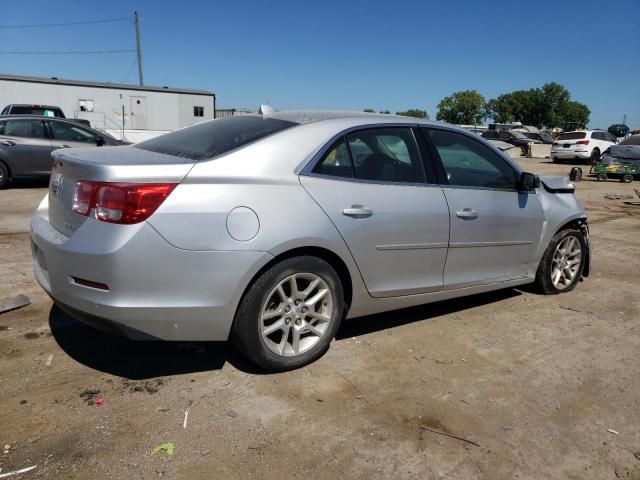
x=215 y=137
x=572 y=136
x=47 y=112
x=632 y=140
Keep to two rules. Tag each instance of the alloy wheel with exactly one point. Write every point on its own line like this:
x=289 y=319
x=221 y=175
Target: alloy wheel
x=565 y=263
x=296 y=314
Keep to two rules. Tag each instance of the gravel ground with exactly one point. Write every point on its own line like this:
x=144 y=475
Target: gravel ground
x=539 y=387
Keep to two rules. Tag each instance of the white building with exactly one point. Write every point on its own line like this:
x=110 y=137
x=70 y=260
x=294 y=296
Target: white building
x=112 y=106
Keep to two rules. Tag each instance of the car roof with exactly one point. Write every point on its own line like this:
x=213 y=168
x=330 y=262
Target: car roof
x=31 y=105
x=303 y=117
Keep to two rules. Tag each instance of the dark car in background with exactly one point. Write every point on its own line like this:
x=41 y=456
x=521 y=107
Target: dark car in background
x=542 y=137
x=44 y=110
x=619 y=130
x=26 y=143
x=517 y=139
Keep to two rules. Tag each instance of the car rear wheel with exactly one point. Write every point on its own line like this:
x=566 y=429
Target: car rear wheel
x=563 y=262
x=595 y=156
x=602 y=177
x=290 y=314
x=627 y=178
x=4 y=176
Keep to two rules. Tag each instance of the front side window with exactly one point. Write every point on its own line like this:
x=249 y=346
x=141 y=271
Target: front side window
x=71 y=133
x=469 y=163
x=24 y=128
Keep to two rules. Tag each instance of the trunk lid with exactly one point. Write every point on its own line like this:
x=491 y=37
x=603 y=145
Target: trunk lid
x=109 y=164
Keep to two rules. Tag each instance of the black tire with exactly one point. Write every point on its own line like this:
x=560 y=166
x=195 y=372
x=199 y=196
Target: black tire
x=4 y=176
x=602 y=177
x=627 y=178
x=595 y=156
x=246 y=331
x=543 y=282
x=556 y=160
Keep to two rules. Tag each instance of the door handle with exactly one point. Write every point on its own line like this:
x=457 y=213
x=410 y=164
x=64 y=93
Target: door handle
x=357 y=211
x=467 y=214
x=7 y=143
x=62 y=146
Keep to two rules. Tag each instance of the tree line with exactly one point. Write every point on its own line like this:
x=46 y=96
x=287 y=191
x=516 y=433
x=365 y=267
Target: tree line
x=548 y=106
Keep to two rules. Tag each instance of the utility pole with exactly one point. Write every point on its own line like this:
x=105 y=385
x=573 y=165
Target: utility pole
x=138 y=48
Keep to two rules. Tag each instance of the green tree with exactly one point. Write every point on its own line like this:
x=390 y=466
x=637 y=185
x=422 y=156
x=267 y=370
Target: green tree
x=414 y=112
x=576 y=112
x=369 y=110
x=549 y=106
x=462 y=108
x=385 y=111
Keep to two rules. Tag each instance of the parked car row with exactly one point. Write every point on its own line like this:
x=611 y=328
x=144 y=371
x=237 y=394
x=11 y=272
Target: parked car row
x=26 y=143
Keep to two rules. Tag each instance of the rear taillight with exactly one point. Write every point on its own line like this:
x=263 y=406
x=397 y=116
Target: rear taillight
x=124 y=203
x=582 y=142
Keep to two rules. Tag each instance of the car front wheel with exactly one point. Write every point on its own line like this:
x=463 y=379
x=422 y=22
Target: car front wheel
x=563 y=262
x=290 y=314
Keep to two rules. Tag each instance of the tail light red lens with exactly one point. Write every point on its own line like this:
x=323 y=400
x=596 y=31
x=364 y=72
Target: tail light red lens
x=582 y=142
x=124 y=203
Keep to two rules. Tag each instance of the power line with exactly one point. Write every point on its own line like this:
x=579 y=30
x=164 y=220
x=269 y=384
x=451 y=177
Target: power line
x=87 y=22
x=63 y=52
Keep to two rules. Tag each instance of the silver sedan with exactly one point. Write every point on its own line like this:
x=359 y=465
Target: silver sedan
x=270 y=229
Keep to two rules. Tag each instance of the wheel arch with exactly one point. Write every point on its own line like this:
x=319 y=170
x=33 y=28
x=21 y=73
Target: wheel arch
x=333 y=259
x=579 y=223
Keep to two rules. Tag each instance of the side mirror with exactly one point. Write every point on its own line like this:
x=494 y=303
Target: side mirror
x=528 y=181
x=99 y=141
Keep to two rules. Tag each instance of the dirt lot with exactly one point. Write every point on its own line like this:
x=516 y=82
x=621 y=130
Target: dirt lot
x=544 y=387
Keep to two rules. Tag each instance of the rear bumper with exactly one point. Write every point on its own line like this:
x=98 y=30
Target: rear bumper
x=564 y=155
x=155 y=291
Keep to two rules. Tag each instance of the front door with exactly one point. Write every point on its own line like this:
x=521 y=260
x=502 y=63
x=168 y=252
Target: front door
x=372 y=185
x=27 y=147
x=495 y=229
x=139 y=113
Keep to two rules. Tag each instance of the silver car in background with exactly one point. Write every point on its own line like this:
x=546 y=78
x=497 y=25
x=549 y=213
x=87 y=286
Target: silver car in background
x=270 y=229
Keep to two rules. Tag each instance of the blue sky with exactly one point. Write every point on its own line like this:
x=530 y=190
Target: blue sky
x=344 y=54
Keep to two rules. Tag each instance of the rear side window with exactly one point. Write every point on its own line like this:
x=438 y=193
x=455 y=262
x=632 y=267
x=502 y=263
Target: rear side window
x=337 y=162
x=572 y=136
x=24 y=128
x=213 y=138
x=382 y=154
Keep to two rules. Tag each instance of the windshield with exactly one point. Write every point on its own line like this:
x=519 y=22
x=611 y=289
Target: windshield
x=632 y=140
x=215 y=137
x=572 y=136
x=518 y=135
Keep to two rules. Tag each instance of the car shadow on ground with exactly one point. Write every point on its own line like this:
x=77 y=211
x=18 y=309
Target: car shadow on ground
x=141 y=360
x=382 y=321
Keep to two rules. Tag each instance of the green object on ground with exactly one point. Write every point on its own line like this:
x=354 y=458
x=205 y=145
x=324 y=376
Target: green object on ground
x=167 y=447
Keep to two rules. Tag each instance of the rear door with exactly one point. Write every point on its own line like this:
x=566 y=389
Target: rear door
x=394 y=218
x=495 y=228
x=26 y=147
